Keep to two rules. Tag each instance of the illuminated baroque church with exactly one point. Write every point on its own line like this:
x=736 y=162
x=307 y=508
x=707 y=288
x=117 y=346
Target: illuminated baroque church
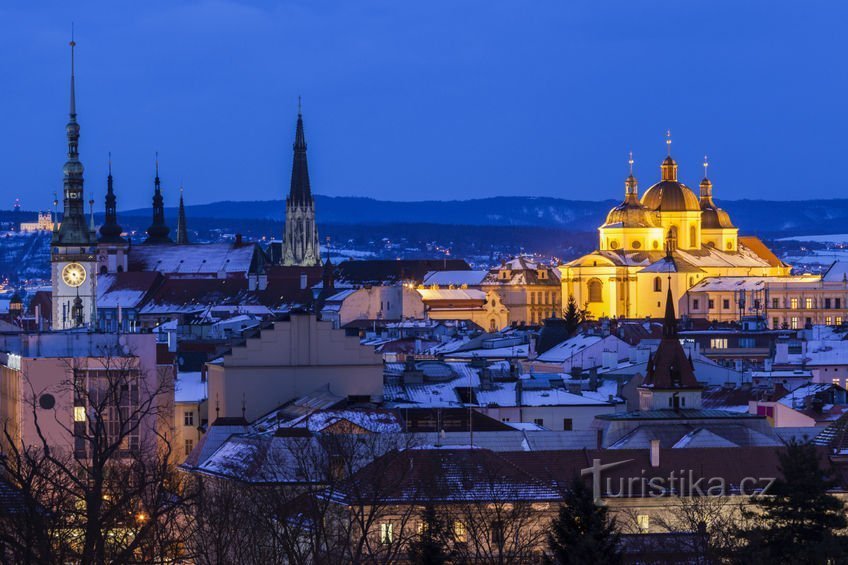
x=670 y=238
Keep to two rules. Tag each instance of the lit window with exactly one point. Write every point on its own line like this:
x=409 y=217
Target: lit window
x=718 y=343
x=644 y=522
x=839 y=320
x=808 y=303
x=79 y=413
x=828 y=321
x=836 y=382
x=386 y=532
x=793 y=322
x=459 y=531
x=793 y=303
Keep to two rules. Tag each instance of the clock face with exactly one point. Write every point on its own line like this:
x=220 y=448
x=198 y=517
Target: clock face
x=73 y=274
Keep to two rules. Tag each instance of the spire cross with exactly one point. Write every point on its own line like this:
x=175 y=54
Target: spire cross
x=706 y=165
x=668 y=141
x=73 y=44
x=110 y=163
x=630 y=162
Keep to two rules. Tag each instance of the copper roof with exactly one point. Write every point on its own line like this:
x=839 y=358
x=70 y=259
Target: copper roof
x=670 y=196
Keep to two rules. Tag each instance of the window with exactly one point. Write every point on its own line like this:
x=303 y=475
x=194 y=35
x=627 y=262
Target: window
x=793 y=303
x=696 y=304
x=747 y=342
x=497 y=533
x=539 y=421
x=188 y=418
x=775 y=302
x=827 y=302
x=657 y=284
x=836 y=382
x=189 y=445
x=793 y=322
x=725 y=304
x=808 y=303
x=595 y=291
x=79 y=413
x=828 y=320
x=718 y=343
x=693 y=236
x=838 y=320
x=459 y=531
x=386 y=533
x=567 y=424
x=644 y=522
x=775 y=323
x=710 y=304
x=837 y=303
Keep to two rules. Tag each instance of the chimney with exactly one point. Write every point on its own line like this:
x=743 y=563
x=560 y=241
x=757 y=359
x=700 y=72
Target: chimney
x=238 y=240
x=655 y=453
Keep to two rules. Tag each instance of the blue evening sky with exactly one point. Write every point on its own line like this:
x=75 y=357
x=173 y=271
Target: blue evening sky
x=441 y=99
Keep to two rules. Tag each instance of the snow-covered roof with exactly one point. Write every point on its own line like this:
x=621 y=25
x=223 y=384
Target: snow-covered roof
x=565 y=350
x=189 y=387
x=454 y=278
x=448 y=294
x=838 y=272
x=731 y=284
x=193 y=259
x=504 y=394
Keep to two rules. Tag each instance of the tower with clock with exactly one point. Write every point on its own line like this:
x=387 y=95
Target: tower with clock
x=72 y=249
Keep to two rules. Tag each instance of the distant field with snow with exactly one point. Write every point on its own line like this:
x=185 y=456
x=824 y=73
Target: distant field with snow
x=830 y=238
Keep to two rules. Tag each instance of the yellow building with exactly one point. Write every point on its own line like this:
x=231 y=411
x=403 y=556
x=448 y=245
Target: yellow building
x=670 y=237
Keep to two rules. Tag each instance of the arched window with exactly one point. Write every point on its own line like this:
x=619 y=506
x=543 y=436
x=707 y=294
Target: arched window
x=693 y=236
x=657 y=284
x=493 y=325
x=595 y=291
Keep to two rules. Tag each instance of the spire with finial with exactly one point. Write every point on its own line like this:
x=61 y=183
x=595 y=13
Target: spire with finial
x=73 y=230
x=670 y=319
x=706 y=187
x=631 y=187
x=91 y=227
x=300 y=192
x=110 y=231
x=158 y=230
x=182 y=232
x=669 y=166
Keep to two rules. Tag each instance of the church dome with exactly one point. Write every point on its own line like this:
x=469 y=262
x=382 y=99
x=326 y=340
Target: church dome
x=712 y=217
x=670 y=196
x=630 y=213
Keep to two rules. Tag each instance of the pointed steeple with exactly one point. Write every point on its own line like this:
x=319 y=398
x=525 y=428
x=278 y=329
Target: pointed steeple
x=670 y=319
x=300 y=193
x=158 y=230
x=73 y=230
x=110 y=231
x=182 y=232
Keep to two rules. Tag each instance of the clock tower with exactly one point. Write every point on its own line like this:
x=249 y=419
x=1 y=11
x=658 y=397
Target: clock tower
x=72 y=249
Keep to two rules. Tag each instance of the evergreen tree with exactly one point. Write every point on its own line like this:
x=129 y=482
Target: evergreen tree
x=573 y=316
x=797 y=519
x=428 y=548
x=583 y=532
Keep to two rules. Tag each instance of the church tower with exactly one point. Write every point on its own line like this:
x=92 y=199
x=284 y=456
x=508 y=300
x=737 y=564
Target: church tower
x=300 y=241
x=182 y=231
x=72 y=254
x=112 y=249
x=158 y=230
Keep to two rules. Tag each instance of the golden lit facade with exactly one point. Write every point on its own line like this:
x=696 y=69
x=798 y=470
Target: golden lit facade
x=669 y=237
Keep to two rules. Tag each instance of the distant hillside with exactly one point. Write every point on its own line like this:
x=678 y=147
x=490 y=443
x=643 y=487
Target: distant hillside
x=766 y=217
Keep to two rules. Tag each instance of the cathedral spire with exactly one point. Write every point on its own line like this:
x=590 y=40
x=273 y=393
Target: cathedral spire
x=110 y=231
x=158 y=230
x=182 y=232
x=73 y=230
x=300 y=245
x=300 y=192
x=670 y=319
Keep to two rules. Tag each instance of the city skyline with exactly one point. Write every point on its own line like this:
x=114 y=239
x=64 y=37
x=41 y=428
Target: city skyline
x=403 y=104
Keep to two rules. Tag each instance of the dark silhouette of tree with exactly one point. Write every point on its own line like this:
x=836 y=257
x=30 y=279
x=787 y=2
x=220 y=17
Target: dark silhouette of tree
x=573 y=316
x=583 y=532
x=797 y=520
x=428 y=548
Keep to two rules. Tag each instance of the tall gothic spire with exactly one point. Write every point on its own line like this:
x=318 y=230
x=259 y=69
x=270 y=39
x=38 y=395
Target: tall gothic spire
x=73 y=230
x=300 y=192
x=158 y=230
x=670 y=319
x=110 y=231
x=182 y=232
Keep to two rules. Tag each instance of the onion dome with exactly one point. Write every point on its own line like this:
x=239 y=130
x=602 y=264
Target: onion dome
x=712 y=217
x=670 y=195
